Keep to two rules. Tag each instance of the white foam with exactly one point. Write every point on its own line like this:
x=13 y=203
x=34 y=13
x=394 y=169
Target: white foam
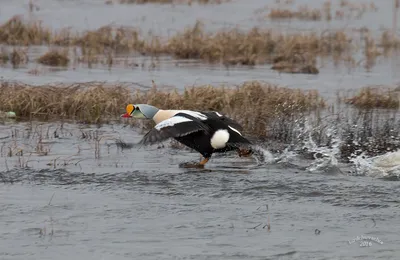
x=388 y=160
x=387 y=164
x=262 y=155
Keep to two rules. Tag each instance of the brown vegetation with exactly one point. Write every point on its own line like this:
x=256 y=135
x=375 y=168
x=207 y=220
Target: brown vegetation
x=293 y=53
x=346 y=10
x=376 y=97
x=257 y=46
x=120 y=39
x=17 y=32
x=87 y=102
x=54 y=58
x=256 y=105
x=303 y=13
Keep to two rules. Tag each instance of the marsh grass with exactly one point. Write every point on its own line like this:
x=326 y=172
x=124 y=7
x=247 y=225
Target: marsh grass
x=233 y=46
x=120 y=39
x=54 y=58
x=345 y=10
x=90 y=102
x=303 y=13
x=255 y=105
x=287 y=52
x=376 y=97
x=17 y=32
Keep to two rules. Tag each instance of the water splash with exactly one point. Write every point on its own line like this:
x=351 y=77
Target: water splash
x=263 y=156
x=287 y=156
x=386 y=165
x=323 y=157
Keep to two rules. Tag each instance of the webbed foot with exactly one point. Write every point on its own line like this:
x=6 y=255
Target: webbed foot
x=244 y=152
x=191 y=165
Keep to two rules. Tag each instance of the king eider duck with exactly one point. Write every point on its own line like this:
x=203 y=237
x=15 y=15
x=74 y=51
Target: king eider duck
x=207 y=132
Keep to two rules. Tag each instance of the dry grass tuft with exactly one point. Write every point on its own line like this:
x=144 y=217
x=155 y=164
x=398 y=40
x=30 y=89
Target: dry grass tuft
x=90 y=102
x=376 y=97
x=120 y=39
x=325 y=12
x=54 y=58
x=303 y=13
x=17 y=32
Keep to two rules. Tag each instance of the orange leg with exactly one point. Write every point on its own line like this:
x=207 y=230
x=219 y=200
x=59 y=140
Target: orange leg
x=195 y=164
x=204 y=161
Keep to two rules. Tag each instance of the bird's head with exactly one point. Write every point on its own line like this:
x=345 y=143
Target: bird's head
x=140 y=111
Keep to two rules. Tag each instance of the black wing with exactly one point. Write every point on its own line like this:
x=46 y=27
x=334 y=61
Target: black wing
x=227 y=120
x=176 y=126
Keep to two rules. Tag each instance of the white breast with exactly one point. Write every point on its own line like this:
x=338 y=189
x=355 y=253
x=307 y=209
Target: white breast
x=219 y=139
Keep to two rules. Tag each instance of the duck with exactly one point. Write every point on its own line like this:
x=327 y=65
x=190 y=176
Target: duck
x=206 y=132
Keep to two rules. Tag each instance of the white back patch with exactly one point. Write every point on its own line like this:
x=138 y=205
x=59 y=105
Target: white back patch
x=218 y=114
x=233 y=129
x=219 y=139
x=171 y=122
x=194 y=114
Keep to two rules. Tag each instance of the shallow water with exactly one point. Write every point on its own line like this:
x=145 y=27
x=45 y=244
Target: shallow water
x=74 y=191
x=136 y=202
